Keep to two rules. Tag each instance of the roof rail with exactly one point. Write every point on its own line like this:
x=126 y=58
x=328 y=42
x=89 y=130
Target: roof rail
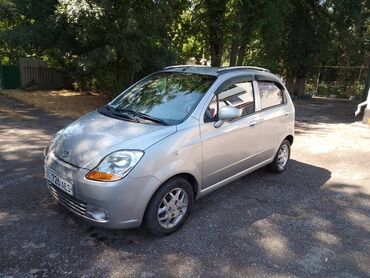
x=186 y=66
x=177 y=66
x=242 y=67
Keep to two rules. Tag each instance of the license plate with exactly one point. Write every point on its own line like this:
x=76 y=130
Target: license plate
x=58 y=181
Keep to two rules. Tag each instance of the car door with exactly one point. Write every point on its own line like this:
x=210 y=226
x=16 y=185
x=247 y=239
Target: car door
x=230 y=149
x=275 y=117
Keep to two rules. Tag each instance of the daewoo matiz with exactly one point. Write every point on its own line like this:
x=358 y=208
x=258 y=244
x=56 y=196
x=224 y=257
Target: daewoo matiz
x=169 y=139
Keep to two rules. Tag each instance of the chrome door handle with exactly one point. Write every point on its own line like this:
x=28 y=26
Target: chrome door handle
x=252 y=124
x=286 y=113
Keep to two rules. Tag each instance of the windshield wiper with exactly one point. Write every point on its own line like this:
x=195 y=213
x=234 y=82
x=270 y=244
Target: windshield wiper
x=150 y=118
x=142 y=116
x=114 y=112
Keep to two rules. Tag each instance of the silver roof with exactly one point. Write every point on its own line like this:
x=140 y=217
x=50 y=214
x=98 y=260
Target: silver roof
x=258 y=73
x=215 y=71
x=194 y=69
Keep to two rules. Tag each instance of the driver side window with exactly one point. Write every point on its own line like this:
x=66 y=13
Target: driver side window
x=239 y=95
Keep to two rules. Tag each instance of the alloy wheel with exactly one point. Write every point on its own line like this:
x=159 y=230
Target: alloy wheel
x=283 y=157
x=173 y=208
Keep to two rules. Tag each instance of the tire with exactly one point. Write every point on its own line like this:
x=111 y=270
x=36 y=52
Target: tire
x=277 y=166
x=176 y=212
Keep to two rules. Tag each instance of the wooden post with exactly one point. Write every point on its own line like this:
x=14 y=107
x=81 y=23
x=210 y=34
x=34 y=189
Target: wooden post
x=366 y=119
x=318 y=80
x=359 y=76
x=1 y=77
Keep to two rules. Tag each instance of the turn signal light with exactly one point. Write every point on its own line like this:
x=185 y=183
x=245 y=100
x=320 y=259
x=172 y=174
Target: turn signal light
x=101 y=176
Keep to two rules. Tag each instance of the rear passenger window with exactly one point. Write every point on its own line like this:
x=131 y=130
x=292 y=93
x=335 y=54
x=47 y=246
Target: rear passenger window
x=239 y=95
x=270 y=94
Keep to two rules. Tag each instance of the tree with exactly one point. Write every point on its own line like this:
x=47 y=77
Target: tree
x=215 y=20
x=259 y=36
x=322 y=33
x=108 y=44
x=115 y=42
x=305 y=42
x=26 y=28
x=101 y=44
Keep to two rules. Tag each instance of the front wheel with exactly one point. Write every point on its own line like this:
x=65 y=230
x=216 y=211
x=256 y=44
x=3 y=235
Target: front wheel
x=169 y=207
x=281 y=158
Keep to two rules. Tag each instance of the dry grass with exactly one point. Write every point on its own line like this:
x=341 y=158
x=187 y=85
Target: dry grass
x=63 y=102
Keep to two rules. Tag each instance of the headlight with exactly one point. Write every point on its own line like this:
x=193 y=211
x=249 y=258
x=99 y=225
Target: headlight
x=115 y=166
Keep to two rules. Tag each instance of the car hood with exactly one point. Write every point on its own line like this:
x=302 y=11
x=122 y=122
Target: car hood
x=89 y=139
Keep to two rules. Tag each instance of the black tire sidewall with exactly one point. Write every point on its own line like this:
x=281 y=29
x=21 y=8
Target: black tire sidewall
x=150 y=221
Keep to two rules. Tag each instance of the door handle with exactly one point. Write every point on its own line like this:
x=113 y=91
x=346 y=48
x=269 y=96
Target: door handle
x=252 y=124
x=286 y=113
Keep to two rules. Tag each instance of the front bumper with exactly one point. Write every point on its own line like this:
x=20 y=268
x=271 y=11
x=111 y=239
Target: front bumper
x=122 y=203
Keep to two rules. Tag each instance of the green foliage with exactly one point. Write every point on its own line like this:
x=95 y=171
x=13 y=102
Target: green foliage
x=108 y=44
x=341 y=90
x=101 y=44
x=266 y=38
x=112 y=43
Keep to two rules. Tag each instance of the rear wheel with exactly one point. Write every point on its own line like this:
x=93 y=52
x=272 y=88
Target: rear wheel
x=169 y=207
x=281 y=159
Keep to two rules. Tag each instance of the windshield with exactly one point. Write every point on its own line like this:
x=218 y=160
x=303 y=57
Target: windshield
x=169 y=97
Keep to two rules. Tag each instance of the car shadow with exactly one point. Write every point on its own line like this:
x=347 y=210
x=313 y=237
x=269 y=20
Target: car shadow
x=289 y=223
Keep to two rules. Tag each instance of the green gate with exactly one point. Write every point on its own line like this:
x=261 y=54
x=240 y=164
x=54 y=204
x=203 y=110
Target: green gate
x=10 y=77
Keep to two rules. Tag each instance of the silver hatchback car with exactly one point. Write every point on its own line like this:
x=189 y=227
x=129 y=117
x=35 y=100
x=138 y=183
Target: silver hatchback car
x=168 y=140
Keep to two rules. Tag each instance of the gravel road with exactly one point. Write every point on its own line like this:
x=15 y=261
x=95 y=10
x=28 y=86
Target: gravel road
x=312 y=220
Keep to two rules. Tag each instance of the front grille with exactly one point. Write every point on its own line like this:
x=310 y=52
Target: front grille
x=67 y=200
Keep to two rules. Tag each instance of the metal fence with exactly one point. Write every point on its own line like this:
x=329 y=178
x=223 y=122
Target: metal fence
x=9 y=77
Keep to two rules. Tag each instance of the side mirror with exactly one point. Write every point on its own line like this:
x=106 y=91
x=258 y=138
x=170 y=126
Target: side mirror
x=227 y=113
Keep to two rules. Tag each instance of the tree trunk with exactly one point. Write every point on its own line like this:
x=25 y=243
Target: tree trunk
x=295 y=86
x=235 y=37
x=245 y=34
x=234 y=50
x=299 y=86
x=289 y=84
x=367 y=81
x=241 y=54
x=216 y=53
x=215 y=20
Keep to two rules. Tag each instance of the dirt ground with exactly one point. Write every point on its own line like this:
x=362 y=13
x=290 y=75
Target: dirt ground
x=312 y=220
x=62 y=102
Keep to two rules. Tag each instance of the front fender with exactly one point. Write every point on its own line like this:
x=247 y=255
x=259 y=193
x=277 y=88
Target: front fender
x=177 y=154
x=175 y=168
